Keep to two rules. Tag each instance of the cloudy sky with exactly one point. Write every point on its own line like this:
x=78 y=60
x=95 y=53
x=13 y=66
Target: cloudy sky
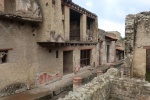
x=112 y=13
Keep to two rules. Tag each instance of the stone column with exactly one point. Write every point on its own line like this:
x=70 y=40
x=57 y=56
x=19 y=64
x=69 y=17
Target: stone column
x=76 y=83
x=83 y=27
x=67 y=22
x=103 y=53
x=112 y=52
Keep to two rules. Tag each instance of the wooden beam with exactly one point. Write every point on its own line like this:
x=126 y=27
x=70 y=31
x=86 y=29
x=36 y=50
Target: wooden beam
x=146 y=47
x=6 y=49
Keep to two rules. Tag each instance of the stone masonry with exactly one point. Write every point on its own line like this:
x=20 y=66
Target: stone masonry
x=34 y=37
x=110 y=86
x=137 y=42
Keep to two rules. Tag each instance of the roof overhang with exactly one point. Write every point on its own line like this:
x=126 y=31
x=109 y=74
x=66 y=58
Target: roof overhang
x=79 y=9
x=119 y=48
x=19 y=18
x=64 y=44
x=111 y=37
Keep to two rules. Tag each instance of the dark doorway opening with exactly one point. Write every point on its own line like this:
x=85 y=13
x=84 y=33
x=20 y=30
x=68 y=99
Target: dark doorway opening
x=108 y=48
x=90 y=28
x=3 y=56
x=148 y=65
x=74 y=25
x=67 y=62
x=85 y=57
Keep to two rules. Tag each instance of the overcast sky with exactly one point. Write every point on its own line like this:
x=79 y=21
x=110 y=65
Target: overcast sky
x=111 y=13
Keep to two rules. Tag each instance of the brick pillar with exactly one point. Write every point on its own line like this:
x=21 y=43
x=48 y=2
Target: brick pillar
x=2 y=5
x=100 y=72
x=83 y=27
x=76 y=83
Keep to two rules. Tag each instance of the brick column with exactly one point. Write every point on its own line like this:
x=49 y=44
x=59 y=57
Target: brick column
x=76 y=83
x=2 y=5
x=100 y=72
x=83 y=27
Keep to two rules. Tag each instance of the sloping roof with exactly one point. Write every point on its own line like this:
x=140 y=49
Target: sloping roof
x=111 y=37
x=119 y=48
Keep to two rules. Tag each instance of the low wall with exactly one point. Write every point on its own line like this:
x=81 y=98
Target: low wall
x=110 y=86
x=98 y=88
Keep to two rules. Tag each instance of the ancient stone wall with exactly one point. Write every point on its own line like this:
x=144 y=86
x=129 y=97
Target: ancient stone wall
x=30 y=65
x=137 y=41
x=98 y=89
x=130 y=89
x=110 y=87
x=28 y=9
x=27 y=62
x=104 y=57
x=20 y=67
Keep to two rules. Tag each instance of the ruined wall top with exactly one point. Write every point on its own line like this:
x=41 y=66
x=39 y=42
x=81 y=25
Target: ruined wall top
x=103 y=34
x=21 y=9
x=110 y=86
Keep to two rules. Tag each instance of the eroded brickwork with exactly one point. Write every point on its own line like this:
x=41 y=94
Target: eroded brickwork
x=110 y=86
x=137 y=41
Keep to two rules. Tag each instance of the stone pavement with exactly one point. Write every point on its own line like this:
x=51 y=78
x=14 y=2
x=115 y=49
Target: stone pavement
x=55 y=88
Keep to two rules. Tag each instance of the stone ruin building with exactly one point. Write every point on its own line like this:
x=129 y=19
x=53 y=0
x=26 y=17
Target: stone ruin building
x=46 y=41
x=41 y=41
x=111 y=47
x=111 y=86
x=138 y=44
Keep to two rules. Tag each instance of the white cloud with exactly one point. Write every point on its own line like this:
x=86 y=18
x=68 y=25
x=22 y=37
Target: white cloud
x=89 y=3
x=145 y=2
x=108 y=25
x=112 y=13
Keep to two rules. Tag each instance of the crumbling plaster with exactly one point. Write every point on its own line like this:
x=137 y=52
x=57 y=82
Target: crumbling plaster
x=29 y=63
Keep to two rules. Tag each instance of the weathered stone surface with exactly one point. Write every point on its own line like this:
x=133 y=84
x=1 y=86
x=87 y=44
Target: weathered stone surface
x=137 y=38
x=110 y=87
x=14 y=88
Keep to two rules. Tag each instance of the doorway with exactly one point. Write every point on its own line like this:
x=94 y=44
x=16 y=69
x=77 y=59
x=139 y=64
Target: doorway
x=74 y=25
x=148 y=65
x=108 y=48
x=67 y=62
